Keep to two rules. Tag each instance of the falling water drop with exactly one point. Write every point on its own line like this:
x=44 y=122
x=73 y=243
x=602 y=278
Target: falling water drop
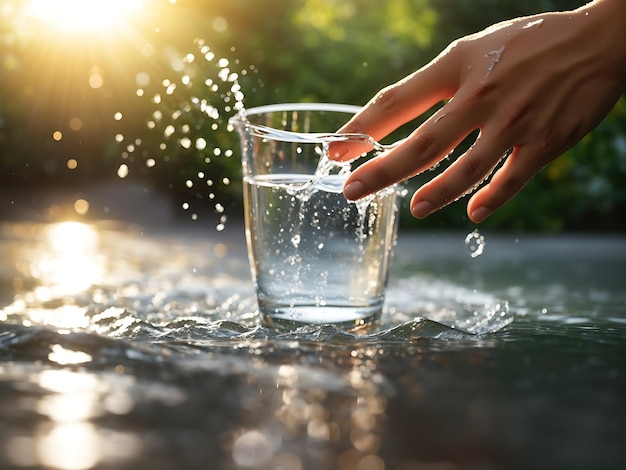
x=295 y=240
x=187 y=118
x=122 y=171
x=475 y=243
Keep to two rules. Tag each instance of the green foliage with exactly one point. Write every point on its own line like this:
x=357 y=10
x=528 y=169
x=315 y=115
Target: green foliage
x=283 y=50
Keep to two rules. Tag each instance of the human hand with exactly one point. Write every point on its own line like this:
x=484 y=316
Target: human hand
x=533 y=86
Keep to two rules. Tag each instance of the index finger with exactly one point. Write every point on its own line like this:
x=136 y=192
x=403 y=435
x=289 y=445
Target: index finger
x=397 y=104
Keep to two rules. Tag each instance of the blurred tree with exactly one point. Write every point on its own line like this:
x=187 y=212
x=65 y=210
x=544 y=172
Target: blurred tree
x=152 y=101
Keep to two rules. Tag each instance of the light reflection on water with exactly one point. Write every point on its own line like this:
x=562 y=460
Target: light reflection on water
x=161 y=357
x=68 y=262
x=67 y=438
x=85 y=283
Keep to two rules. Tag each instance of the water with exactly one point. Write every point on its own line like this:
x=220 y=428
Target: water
x=317 y=257
x=127 y=347
x=475 y=243
x=185 y=144
x=148 y=351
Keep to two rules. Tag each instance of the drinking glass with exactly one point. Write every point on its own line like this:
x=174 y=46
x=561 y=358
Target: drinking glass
x=315 y=257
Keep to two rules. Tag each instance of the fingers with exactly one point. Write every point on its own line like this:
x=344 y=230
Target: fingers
x=398 y=104
x=430 y=143
x=465 y=174
x=514 y=174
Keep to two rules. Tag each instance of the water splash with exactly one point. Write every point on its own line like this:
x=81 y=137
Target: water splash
x=475 y=244
x=186 y=130
x=153 y=298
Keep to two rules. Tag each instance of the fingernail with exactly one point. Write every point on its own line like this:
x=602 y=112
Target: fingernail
x=354 y=190
x=336 y=151
x=480 y=214
x=421 y=209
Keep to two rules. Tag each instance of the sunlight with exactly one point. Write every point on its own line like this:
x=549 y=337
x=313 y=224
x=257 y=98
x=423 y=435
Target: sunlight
x=70 y=262
x=68 y=381
x=70 y=446
x=64 y=356
x=83 y=15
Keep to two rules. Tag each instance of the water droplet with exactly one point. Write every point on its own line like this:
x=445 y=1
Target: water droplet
x=295 y=240
x=185 y=142
x=475 y=244
x=169 y=130
x=122 y=171
x=200 y=143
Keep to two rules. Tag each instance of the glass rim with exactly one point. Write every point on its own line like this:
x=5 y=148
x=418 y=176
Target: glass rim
x=271 y=108
x=259 y=130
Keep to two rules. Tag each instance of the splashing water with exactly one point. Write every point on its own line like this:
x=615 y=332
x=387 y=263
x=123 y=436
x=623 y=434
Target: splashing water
x=186 y=297
x=188 y=116
x=475 y=244
x=186 y=128
x=330 y=175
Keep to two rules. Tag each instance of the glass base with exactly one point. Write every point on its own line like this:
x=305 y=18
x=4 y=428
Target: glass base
x=346 y=318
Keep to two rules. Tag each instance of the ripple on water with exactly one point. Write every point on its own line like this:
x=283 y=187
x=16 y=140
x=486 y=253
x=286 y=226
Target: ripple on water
x=417 y=309
x=162 y=311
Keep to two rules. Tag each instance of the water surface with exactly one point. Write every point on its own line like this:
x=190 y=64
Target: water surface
x=125 y=347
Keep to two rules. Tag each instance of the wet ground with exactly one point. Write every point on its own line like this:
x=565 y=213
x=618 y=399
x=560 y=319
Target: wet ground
x=129 y=347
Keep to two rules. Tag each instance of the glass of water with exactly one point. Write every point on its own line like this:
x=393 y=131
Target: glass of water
x=316 y=258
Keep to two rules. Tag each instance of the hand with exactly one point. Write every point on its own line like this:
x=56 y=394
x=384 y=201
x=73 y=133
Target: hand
x=533 y=86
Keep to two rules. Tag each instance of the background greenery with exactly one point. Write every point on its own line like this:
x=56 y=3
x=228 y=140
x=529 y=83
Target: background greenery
x=283 y=51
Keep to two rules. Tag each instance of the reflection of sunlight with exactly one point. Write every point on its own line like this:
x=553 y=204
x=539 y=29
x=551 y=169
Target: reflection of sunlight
x=70 y=441
x=68 y=407
x=66 y=381
x=82 y=15
x=64 y=356
x=71 y=262
x=65 y=318
x=70 y=446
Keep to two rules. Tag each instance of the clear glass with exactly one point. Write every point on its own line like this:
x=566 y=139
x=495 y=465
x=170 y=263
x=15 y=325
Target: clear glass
x=315 y=256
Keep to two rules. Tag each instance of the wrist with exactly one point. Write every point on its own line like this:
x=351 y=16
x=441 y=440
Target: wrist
x=607 y=27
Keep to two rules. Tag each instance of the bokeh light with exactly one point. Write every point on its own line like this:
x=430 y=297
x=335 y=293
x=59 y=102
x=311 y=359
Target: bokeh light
x=81 y=206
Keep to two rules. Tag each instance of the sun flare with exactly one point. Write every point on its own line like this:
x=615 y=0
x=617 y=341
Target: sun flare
x=83 y=15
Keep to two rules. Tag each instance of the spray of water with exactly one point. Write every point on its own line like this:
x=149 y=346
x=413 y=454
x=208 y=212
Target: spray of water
x=186 y=127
